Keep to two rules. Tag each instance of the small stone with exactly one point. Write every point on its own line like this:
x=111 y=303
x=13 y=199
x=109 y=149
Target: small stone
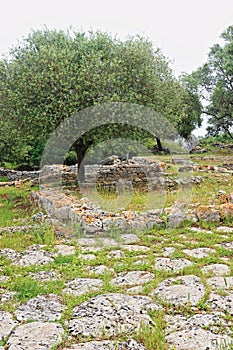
x=44 y=275
x=168 y=251
x=4 y=279
x=129 y=238
x=116 y=254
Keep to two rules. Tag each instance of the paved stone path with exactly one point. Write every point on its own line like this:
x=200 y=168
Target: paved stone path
x=96 y=316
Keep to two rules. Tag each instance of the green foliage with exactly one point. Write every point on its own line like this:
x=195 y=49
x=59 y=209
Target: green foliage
x=52 y=75
x=213 y=83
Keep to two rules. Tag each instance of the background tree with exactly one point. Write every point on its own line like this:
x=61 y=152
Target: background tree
x=52 y=75
x=213 y=82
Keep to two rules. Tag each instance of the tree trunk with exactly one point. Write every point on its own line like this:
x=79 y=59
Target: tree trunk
x=80 y=149
x=159 y=144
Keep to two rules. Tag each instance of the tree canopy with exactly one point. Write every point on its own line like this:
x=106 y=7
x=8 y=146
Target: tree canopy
x=213 y=82
x=53 y=74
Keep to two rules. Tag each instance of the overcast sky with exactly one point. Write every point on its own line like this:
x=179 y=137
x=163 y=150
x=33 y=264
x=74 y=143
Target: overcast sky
x=183 y=29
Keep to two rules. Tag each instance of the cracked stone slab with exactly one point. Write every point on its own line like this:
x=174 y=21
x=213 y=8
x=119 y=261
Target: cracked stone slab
x=7 y=324
x=216 y=269
x=36 y=335
x=181 y=290
x=199 y=252
x=110 y=314
x=220 y=282
x=197 y=339
x=221 y=303
x=64 y=249
x=132 y=278
x=169 y=264
x=107 y=345
x=80 y=286
x=42 y=308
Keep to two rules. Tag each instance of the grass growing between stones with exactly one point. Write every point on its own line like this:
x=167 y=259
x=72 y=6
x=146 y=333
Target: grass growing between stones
x=15 y=208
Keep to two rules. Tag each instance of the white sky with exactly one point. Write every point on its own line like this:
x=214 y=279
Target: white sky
x=183 y=29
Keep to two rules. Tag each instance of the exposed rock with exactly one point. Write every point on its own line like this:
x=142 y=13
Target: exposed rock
x=44 y=275
x=224 y=229
x=64 y=249
x=4 y=279
x=172 y=264
x=221 y=282
x=135 y=248
x=216 y=269
x=87 y=257
x=116 y=254
x=181 y=290
x=199 y=252
x=197 y=339
x=41 y=308
x=168 y=251
x=7 y=324
x=80 y=286
x=132 y=278
x=99 y=270
x=107 y=345
x=205 y=213
x=221 y=303
x=110 y=314
x=36 y=335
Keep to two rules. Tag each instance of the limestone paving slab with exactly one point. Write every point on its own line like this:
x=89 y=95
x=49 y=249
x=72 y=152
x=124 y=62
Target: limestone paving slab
x=221 y=303
x=199 y=252
x=64 y=249
x=132 y=278
x=197 y=339
x=7 y=324
x=110 y=314
x=135 y=248
x=221 y=282
x=216 y=269
x=181 y=290
x=201 y=320
x=36 y=336
x=44 y=275
x=42 y=308
x=168 y=251
x=107 y=345
x=80 y=286
x=169 y=264
x=99 y=270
